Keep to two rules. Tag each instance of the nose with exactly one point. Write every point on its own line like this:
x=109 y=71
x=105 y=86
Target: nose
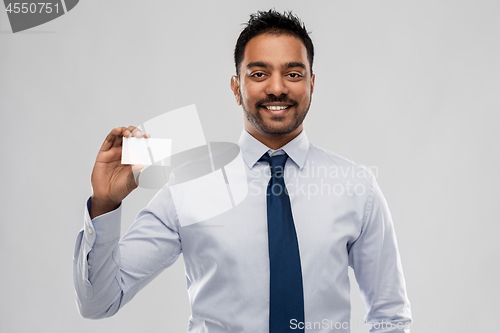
x=276 y=85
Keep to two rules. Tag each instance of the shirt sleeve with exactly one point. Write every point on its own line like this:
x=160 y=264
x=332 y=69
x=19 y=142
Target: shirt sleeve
x=109 y=271
x=375 y=259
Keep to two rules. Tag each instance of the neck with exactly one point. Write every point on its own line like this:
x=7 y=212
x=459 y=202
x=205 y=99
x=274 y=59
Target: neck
x=274 y=141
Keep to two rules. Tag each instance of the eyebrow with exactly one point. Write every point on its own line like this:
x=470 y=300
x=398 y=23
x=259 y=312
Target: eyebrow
x=294 y=64
x=285 y=66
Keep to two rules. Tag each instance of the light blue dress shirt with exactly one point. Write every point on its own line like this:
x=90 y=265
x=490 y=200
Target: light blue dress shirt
x=341 y=220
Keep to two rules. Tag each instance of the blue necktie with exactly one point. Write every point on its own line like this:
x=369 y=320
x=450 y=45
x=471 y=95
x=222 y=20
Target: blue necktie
x=286 y=289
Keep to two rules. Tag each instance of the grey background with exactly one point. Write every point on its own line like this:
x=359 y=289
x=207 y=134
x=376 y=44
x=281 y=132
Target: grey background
x=410 y=87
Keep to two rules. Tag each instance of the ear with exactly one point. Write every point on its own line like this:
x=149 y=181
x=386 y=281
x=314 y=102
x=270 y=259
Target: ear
x=312 y=82
x=235 y=87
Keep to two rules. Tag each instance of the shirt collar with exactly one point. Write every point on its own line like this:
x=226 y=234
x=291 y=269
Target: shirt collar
x=252 y=149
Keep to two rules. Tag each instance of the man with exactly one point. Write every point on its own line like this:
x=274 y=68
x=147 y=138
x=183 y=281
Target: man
x=278 y=261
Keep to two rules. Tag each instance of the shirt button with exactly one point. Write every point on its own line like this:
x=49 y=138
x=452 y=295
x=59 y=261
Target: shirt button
x=90 y=267
x=91 y=231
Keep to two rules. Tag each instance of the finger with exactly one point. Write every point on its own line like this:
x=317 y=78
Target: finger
x=119 y=138
x=136 y=131
x=116 y=133
x=126 y=132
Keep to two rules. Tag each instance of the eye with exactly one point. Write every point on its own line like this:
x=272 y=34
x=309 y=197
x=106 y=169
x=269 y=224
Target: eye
x=294 y=75
x=258 y=75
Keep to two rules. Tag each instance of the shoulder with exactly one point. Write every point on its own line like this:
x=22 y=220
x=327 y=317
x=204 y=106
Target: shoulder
x=323 y=157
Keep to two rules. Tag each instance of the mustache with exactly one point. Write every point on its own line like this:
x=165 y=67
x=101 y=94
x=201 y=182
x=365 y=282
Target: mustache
x=275 y=99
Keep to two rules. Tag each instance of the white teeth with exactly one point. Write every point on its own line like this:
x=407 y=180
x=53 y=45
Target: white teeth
x=276 y=108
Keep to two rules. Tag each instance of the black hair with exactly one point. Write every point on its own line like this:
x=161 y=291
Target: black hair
x=272 y=22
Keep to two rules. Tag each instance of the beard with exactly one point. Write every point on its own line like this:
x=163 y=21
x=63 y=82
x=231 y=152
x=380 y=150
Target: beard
x=278 y=125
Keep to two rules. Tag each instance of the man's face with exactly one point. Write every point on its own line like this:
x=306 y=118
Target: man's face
x=275 y=85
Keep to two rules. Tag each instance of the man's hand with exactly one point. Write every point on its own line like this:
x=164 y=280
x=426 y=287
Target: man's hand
x=111 y=180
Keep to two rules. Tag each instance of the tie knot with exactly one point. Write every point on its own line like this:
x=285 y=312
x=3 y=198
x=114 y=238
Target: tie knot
x=276 y=162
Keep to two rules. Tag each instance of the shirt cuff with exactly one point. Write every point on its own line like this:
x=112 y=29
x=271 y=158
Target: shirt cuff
x=103 y=228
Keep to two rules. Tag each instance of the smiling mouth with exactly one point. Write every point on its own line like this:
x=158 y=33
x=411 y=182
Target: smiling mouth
x=276 y=107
